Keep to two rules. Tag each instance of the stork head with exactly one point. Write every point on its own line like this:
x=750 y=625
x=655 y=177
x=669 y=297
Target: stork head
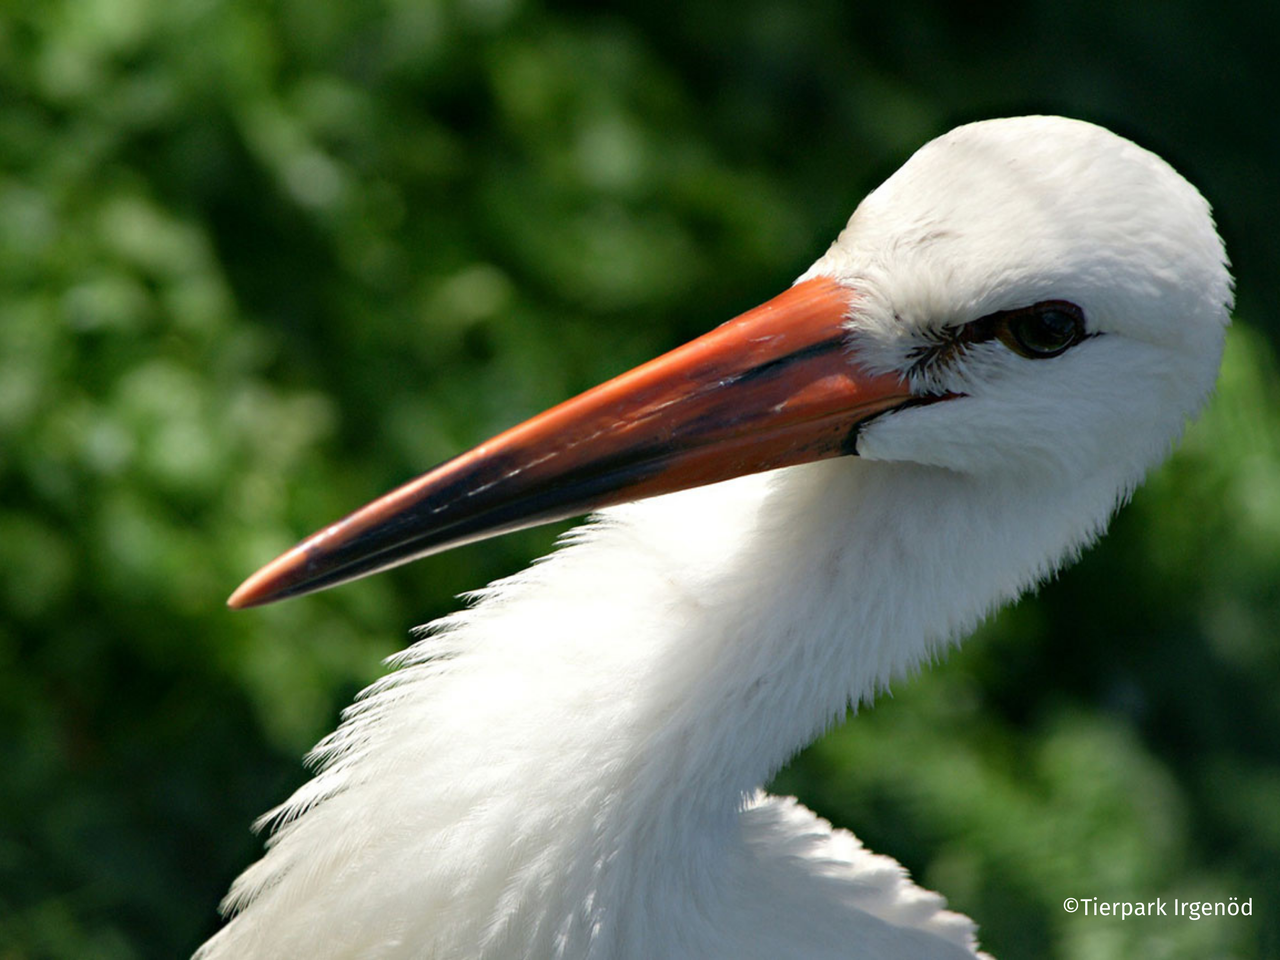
x=1034 y=296
x=1064 y=282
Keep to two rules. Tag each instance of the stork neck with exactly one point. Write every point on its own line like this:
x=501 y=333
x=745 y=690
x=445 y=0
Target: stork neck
x=840 y=577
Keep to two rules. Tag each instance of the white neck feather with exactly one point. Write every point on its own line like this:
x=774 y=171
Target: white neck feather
x=586 y=736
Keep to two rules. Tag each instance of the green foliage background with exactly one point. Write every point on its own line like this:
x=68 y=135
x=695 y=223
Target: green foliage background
x=260 y=261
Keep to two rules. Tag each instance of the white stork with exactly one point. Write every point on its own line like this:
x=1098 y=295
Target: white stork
x=942 y=410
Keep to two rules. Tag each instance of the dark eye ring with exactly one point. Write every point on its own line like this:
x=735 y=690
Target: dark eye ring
x=1042 y=330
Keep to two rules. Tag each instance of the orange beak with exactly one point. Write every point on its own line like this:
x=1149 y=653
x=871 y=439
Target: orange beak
x=772 y=388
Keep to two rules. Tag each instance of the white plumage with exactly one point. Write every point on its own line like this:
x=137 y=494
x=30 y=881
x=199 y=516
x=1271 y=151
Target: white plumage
x=571 y=767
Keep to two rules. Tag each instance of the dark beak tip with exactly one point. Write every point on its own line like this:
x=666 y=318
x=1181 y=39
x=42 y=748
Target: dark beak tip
x=243 y=598
x=265 y=586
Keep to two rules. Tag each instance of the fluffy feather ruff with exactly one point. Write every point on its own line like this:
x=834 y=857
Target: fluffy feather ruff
x=574 y=761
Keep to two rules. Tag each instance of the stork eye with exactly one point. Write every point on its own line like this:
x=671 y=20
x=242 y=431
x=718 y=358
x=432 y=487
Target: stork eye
x=1043 y=329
